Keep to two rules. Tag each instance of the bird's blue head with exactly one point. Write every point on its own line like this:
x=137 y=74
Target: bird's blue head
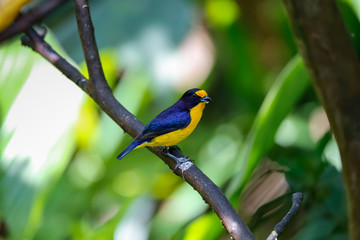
x=193 y=97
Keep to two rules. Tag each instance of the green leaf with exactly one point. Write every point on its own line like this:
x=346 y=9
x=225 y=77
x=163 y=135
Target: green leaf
x=281 y=98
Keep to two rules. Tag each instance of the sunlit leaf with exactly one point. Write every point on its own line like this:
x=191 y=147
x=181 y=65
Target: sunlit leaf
x=15 y=67
x=87 y=125
x=40 y=123
x=215 y=10
x=205 y=227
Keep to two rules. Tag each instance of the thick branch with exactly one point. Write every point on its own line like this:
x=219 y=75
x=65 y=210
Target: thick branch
x=331 y=59
x=279 y=228
x=26 y=20
x=193 y=175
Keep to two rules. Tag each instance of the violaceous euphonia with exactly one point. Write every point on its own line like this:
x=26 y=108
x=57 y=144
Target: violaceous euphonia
x=172 y=125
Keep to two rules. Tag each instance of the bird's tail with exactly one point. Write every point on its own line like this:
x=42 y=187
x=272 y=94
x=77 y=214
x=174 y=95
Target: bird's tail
x=131 y=147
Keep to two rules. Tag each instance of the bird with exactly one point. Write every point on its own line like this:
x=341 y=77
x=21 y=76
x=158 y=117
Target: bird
x=172 y=125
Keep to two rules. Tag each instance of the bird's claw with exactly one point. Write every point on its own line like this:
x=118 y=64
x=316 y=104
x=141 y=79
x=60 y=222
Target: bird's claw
x=179 y=160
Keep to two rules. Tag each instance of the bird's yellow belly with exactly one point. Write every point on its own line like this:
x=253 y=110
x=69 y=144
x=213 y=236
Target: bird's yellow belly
x=172 y=138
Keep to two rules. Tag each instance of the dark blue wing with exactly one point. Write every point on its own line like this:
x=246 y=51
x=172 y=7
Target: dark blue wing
x=167 y=121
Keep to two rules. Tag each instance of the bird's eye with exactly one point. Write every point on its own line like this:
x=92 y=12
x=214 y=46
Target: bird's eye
x=194 y=95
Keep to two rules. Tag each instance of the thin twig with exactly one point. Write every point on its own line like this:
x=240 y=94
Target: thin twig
x=279 y=228
x=26 y=20
x=88 y=42
x=37 y=43
x=211 y=194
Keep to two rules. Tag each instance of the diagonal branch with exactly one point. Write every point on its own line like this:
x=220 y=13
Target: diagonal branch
x=36 y=42
x=279 y=228
x=26 y=20
x=98 y=87
x=211 y=193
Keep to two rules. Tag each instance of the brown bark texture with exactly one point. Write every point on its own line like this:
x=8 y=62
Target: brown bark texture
x=332 y=61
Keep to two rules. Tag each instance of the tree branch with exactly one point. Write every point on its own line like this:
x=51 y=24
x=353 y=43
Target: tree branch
x=279 y=228
x=37 y=43
x=335 y=68
x=99 y=90
x=88 y=42
x=26 y=20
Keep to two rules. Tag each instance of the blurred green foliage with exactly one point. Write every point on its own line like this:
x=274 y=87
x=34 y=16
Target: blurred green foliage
x=263 y=136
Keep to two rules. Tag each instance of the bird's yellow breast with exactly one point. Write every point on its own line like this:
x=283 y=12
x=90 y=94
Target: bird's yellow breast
x=172 y=138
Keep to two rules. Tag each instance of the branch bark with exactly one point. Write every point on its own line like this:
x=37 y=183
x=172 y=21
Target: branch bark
x=26 y=20
x=280 y=227
x=37 y=43
x=335 y=68
x=97 y=88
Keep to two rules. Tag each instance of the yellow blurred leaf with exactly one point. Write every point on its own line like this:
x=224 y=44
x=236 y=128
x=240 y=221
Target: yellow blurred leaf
x=87 y=124
x=222 y=13
x=9 y=10
x=165 y=185
x=110 y=65
x=203 y=227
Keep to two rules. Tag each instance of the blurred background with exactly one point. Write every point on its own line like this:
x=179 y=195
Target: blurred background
x=263 y=137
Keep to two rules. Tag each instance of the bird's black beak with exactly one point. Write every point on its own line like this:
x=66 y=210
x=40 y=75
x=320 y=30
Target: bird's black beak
x=205 y=99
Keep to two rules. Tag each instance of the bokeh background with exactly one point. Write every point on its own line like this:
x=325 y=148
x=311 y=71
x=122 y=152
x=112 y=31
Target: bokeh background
x=263 y=137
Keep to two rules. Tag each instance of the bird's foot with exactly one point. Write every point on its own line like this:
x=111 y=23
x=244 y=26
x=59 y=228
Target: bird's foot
x=179 y=160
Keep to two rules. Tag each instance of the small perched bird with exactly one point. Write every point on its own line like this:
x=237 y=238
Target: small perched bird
x=172 y=125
